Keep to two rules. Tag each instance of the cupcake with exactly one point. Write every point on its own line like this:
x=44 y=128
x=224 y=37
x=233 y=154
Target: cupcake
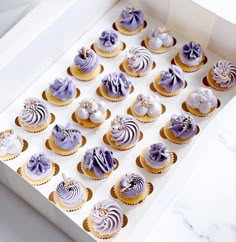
x=35 y=116
x=124 y=133
x=191 y=57
x=201 y=102
x=130 y=22
x=38 y=170
x=70 y=195
x=86 y=65
x=131 y=188
x=180 y=129
x=115 y=87
x=157 y=158
x=61 y=92
x=159 y=40
x=91 y=113
x=108 y=44
x=98 y=163
x=139 y=62
x=10 y=145
x=170 y=83
x=105 y=219
x=222 y=76
x=65 y=140
x=146 y=108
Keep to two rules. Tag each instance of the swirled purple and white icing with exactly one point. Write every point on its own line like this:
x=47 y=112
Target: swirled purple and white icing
x=93 y=110
x=224 y=73
x=108 y=41
x=139 y=59
x=34 y=112
x=202 y=99
x=124 y=130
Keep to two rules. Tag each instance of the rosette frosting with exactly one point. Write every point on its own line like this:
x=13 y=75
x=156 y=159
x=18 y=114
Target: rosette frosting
x=157 y=155
x=147 y=105
x=116 y=84
x=139 y=59
x=99 y=160
x=71 y=195
x=107 y=217
x=124 y=130
x=9 y=143
x=183 y=126
x=131 y=19
x=86 y=60
x=34 y=112
x=63 y=89
x=191 y=54
x=224 y=73
x=202 y=99
x=172 y=79
x=108 y=41
x=66 y=137
x=131 y=185
x=92 y=109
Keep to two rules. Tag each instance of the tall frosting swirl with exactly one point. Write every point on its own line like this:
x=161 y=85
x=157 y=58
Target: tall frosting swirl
x=66 y=137
x=86 y=60
x=116 y=84
x=224 y=73
x=34 y=113
x=63 y=89
x=108 y=40
x=131 y=185
x=172 y=79
x=70 y=195
x=202 y=99
x=9 y=143
x=124 y=130
x=107 y=217
x=139 y=59
x=183 y=126
x=157 y=155
x=99 y=160
x=131 y=19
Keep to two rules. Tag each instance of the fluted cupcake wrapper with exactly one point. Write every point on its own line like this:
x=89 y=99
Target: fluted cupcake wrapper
x=107 y=54
x=121 y=29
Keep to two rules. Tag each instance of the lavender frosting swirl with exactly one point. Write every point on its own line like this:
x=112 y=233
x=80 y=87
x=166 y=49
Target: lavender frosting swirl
x=172 y=79
x=139 y=59
x=131 y=19
x=157 y=155
x=124 y=130
x=99 y=160
x=116 y=84
x=224 y=73
x=86 y=62
x=183 y=126
x=131 y=185
x=34 y=113
x=63 y=89
x=72 y=195
x=107 y=217
x=108 y=41
x=66 y=137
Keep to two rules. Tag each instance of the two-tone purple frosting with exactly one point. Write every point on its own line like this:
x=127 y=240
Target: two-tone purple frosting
x=86 y=60
x=131 y=185
x=172 y=79
x=131 y=19
x=66 y=137
x=224 y=73
x=107 y=217
x=191 y=54
x=116 y=84
x=63 y=89
x=108 y=41
x=183 y=126
x=99 y=160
